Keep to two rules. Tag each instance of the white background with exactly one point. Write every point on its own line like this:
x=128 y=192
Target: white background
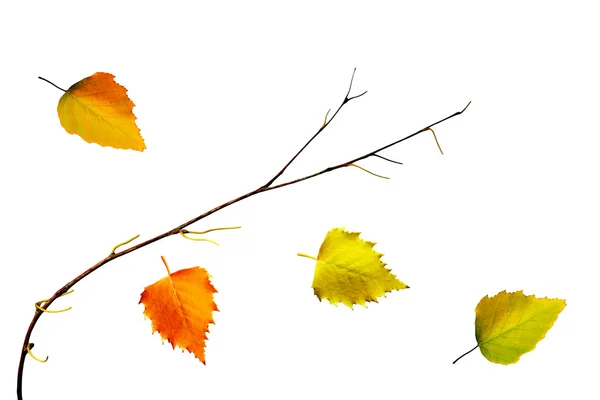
x=225 y=94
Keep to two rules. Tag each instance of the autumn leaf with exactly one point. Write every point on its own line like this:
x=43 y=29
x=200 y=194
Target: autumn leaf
x=349 y=271
x=180 y=306
x=509 y=325
x=99 y=110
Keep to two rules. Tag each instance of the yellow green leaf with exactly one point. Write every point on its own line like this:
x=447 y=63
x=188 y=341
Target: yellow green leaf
x=349 y=271
x=509 y=325
x=99 y=110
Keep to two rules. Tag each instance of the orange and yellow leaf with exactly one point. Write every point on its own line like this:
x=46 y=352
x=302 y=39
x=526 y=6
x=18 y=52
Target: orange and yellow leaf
x=350 y=272
x=99 y=110
x=509 y=325
x=180 y=306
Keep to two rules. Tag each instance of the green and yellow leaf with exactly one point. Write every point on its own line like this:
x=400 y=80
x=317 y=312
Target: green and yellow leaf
x=350 y=272
x=509 y=325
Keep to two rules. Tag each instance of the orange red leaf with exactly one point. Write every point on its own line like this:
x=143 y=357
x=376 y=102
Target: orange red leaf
x=98 y=109
x=180 y=306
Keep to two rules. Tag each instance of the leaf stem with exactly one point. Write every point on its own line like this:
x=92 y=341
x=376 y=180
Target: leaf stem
x=175 y=231
x=465 y=354
x=166 y=265
x=308 y=256
x=44 y=79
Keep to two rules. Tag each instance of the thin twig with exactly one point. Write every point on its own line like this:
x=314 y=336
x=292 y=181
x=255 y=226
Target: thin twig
x=175 y=231
x=325 y=124
x=372 y=153
x=387 y=159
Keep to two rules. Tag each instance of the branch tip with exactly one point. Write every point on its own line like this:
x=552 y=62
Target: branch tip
x=347 y=99
x=463 y=110
x=268 y=185
x=351 y=81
